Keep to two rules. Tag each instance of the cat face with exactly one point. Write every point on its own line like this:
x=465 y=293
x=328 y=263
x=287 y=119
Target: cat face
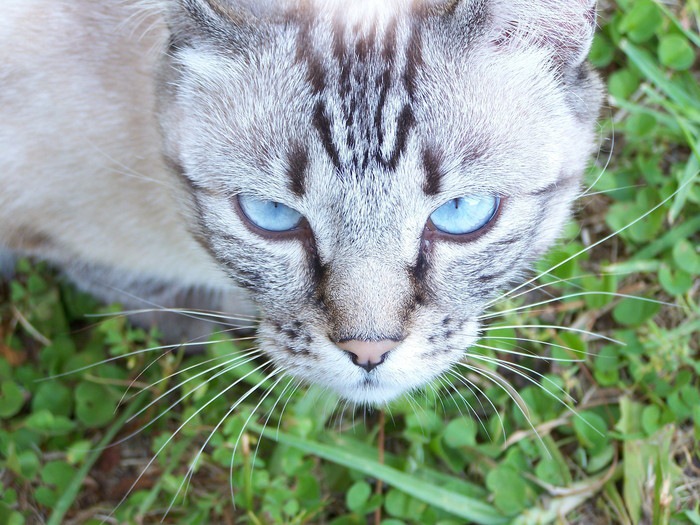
x=317 y=145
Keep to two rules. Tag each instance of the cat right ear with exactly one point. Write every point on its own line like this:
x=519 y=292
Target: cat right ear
x=232 y=21
x=564 y=28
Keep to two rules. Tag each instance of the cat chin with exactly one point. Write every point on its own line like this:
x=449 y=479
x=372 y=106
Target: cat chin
x=375 y=389
x=370 y=391
x=376 y=397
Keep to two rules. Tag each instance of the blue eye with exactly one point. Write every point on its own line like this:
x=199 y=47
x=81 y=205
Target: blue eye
x=465 y=215
x=269 y=215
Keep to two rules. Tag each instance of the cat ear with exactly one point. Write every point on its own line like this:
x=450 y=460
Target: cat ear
x=233 y=21
x=239 y=9
x=565 y=28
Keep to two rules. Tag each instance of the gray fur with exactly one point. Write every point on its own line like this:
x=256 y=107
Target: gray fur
x=366 y=118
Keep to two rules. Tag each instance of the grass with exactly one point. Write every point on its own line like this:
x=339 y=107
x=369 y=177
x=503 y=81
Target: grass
x=598 y=432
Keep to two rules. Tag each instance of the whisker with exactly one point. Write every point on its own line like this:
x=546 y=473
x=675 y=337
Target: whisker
x=517 y=368
x=532 y=287
x=604 y=239
x=229 y=367
x=452 y=389
x=607 y=162
x=248 y=358
x=284 y=407
x=268 y=391
x=525 y=354
x=253 y=351
x=154 y=361
x=542 y=286
x=573 y=296
x=438 y=396
x=340 y=415
x=555 y=327
x=546 y=343
x=124 y=169
x=613 y=190
x=509 y=390
x=329 y=411
x=236 y=323
x=413 y=403
x=193 y=463
x=189 y=311
x=269 y=415
x=177 y=431
x=132 y=354
x=353 y=408
x=470 y=385
x=135 y=379
x=160 y=307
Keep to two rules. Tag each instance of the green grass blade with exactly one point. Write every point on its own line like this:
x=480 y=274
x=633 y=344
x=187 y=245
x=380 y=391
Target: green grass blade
x=667 y=121
x=426 y=474
x=643 y=60
x=693 y=37
x=454 y=503
x=669 y=240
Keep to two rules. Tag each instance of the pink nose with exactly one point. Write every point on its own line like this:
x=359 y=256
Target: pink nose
x=368 y=354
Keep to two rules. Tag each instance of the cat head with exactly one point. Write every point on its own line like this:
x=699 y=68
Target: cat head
x=374 y=173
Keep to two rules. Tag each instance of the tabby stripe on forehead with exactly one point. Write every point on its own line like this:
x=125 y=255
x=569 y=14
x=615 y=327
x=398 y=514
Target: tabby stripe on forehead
x=432 y=166
x=405 y=122
x=297 y=165
x=414 y=60
x=305 y=55
x=389 y=48
x=364 y=45
x=323 y=126
x=383 y=84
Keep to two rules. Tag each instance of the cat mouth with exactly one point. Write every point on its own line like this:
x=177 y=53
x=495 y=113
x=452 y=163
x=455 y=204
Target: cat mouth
x=368 y=381
x=363 y=371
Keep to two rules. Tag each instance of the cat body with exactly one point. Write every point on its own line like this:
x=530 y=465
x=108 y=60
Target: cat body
x=144 y=147
x=81 y=157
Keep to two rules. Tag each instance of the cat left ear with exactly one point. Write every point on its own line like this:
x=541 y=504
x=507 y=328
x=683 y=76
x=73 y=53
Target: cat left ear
x=563 y=27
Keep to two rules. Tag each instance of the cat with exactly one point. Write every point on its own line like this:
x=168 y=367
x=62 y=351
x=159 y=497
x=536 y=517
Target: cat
x=365 y=176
